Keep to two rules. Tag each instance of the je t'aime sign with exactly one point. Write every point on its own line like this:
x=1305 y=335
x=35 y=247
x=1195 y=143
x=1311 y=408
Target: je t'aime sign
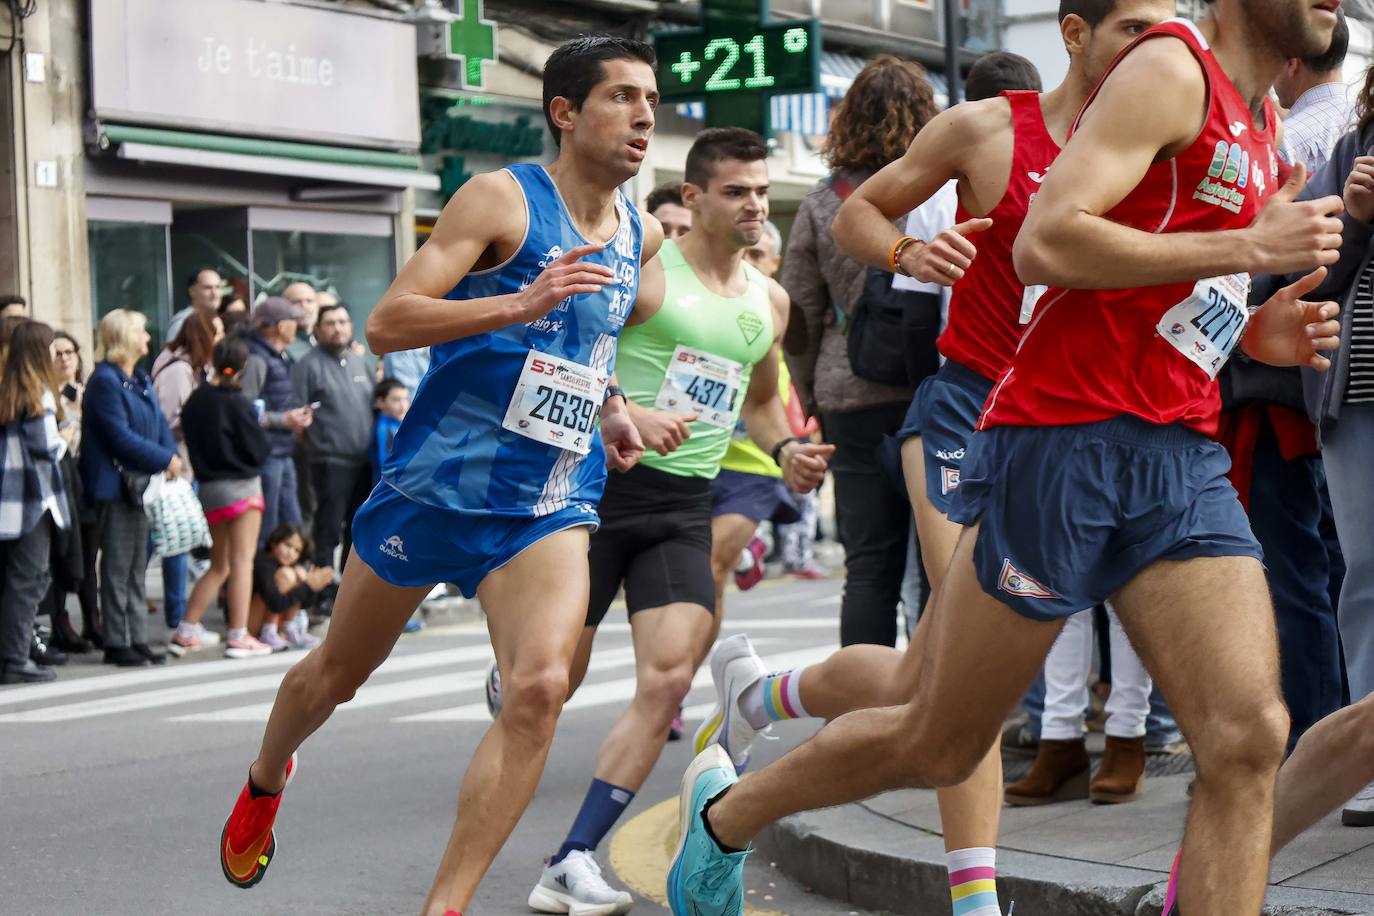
x=251 y=67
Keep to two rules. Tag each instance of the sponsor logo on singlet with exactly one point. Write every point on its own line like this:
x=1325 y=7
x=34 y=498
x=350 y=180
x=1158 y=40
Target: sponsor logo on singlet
x=750 y=325
x=1237 y=128
x=1227 y=178
x=1014 y=582
x=946 y=455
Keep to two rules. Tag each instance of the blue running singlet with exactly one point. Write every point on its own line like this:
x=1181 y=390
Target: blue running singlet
x=451 y=451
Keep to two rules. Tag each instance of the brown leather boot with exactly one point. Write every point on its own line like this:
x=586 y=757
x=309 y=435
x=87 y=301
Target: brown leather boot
x=1060 y=774
x=1119 y=778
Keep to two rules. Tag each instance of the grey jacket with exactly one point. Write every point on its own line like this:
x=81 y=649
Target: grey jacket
x=1322 y=391
x=342 y=430
x=822 y=280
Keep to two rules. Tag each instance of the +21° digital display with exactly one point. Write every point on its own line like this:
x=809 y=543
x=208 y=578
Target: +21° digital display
x=777 y=57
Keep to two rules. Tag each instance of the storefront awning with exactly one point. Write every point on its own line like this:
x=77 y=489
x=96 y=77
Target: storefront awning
x=346 y=165
x=809 y=113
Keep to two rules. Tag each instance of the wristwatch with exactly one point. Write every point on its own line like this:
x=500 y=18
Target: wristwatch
x=776 y=454
x=613 y=391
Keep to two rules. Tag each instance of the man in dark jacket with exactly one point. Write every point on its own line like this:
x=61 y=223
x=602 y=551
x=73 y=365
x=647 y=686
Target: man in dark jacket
x=267 y=378
x=334 y=377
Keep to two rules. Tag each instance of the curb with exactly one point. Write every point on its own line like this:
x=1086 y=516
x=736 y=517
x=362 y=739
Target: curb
x=853 y=855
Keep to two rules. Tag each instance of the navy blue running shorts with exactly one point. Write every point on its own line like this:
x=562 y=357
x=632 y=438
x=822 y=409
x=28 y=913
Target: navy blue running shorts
x=944 y=413
x=754 y=496
x=1070 y=514
x=408 y=543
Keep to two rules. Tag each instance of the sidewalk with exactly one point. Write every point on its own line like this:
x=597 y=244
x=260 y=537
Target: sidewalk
x=1072 y=859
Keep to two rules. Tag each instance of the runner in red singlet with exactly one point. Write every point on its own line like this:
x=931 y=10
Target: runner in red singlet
x=1093 y=477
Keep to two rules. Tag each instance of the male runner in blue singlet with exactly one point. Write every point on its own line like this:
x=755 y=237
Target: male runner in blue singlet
x=495 y=474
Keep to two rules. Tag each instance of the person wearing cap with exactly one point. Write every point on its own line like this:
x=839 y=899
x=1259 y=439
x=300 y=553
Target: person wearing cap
x=267 y=378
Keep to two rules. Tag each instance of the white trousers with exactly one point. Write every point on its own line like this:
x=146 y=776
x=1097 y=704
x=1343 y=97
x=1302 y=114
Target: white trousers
x=1066 y=682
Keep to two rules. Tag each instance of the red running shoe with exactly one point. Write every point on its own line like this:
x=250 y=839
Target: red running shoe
x=754 y=574
x=247 y=843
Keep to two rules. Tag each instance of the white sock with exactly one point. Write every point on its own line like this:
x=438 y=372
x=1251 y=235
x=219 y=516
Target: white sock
x=973 y=881
x=237 y=633
x=774 y=697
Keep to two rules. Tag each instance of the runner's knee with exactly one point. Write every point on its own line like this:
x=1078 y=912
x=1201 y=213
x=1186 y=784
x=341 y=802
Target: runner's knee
x=1252 y=738
x=663 y=689
x=533 y=698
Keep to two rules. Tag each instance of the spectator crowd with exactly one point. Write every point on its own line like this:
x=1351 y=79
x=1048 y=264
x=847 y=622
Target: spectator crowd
x=234 y=456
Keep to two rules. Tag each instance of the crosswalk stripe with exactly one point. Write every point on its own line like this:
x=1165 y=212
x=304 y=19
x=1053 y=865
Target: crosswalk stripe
x=370 y=695
x=211 y=690
x=605 y=692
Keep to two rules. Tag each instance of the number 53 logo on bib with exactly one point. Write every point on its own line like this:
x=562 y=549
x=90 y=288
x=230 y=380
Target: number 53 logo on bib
x=556 y=402
x=703 y=382
x=1206 y=326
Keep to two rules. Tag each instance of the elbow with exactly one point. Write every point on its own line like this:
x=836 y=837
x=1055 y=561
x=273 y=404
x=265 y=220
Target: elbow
x=379 y=340
x=1030 y=257
x=843 y=228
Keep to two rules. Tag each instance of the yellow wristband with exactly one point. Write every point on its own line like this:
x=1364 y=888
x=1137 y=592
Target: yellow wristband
x=901 y=245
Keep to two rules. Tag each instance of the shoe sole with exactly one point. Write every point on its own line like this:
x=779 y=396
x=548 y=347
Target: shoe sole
x=1112 y=798
x=1357 y=818
x=271 y=852
x=544 y=900
x=1075 y=789
x=246 y=653
x=704 y=761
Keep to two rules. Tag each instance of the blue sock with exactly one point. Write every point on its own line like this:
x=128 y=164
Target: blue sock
x=600 y=810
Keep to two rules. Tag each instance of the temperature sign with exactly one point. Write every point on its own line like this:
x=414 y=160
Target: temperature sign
x=781 y=57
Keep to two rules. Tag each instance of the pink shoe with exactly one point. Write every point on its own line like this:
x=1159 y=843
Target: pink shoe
x=247 y=647
x=1171 y=895
x=180 y=645
x=810 y=572
x=754 y=574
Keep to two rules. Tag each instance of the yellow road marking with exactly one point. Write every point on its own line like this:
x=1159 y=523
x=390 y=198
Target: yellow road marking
x=643 y=848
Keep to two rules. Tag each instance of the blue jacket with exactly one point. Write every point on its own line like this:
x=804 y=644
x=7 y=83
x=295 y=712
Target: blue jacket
x=276 y=392
x=120 y=422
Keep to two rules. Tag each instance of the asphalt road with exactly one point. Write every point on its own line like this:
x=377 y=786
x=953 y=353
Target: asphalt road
x=114 y=786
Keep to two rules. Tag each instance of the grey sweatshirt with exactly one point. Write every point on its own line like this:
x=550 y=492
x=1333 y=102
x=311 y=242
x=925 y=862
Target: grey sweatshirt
x=342 y=430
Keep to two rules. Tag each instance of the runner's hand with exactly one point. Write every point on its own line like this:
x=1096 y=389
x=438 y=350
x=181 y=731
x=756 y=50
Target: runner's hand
x=1359 y=190
x=1290 y=235
x=624 y=447
x=804 y=464
x=944 y=258
x=1286 y=331
x=662 y=431
x=567 y=276
x=174 y=467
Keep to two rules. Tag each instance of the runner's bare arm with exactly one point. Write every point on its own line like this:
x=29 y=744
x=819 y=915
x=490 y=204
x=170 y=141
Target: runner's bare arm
x=653 y=237
x=864 y=225
x=765 y=417
x=1151 y=107
x=412 y=312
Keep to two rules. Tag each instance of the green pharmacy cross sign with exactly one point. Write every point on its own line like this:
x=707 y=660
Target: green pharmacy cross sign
x=473 y=39
x=736 y=60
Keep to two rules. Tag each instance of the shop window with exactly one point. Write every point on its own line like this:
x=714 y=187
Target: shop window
x=9 y=219
x=129 y=263
x=356 y=268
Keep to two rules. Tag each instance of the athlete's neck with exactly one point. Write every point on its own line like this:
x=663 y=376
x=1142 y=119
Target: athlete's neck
x=715 y=261
x=1250 y=63
x=1063 y=103
x=589 y=197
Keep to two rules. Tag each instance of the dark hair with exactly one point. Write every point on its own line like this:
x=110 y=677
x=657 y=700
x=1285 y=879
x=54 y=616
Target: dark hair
x=29 y=373
x=385 y=387
x=236 y=324
x=194 y=276
x=997 y=72
x=716 y=144
x=196 y=338
x=230 y=356
x=1090 y=11
x=319 y=315
x=13 y=299
x=670 y=192
x=574 y=69
x=80 y=361
x=284 y=531
x=888 y=103
x=1334 y=55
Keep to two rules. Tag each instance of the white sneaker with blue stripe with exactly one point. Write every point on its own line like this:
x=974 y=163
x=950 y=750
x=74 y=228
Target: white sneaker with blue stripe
x=575 y=886
x=704 y=880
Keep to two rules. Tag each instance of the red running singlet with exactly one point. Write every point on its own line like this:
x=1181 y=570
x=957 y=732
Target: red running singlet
x=985 y=307
x=1153 y=352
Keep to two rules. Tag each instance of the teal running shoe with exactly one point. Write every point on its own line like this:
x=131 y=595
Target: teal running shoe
x=704 y=880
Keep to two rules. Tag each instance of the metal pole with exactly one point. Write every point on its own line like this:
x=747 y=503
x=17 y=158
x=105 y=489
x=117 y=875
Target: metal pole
x=952 y=51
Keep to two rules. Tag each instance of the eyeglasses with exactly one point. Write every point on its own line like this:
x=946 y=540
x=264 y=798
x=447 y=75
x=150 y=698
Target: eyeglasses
x=63 y=354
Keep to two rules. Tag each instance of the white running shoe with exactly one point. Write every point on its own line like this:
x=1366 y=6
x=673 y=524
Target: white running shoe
x=206 y=637
x=1359 y=811
x=297 y=632
x=575 y=886
x=734 y=667
x=493 y=689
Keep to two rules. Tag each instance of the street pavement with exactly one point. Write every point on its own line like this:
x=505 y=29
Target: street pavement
x=114 y=785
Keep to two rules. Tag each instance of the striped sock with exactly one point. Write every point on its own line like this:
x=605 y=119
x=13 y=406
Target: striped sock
x=774 y=697
x=973 y=881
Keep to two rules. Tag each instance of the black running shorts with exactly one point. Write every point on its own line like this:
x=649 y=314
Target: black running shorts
x=655 y=538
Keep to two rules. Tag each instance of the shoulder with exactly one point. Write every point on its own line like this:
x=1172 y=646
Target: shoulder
x=970 y=122
x=1165 y=62
x=653 y=235
x=778 y=298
